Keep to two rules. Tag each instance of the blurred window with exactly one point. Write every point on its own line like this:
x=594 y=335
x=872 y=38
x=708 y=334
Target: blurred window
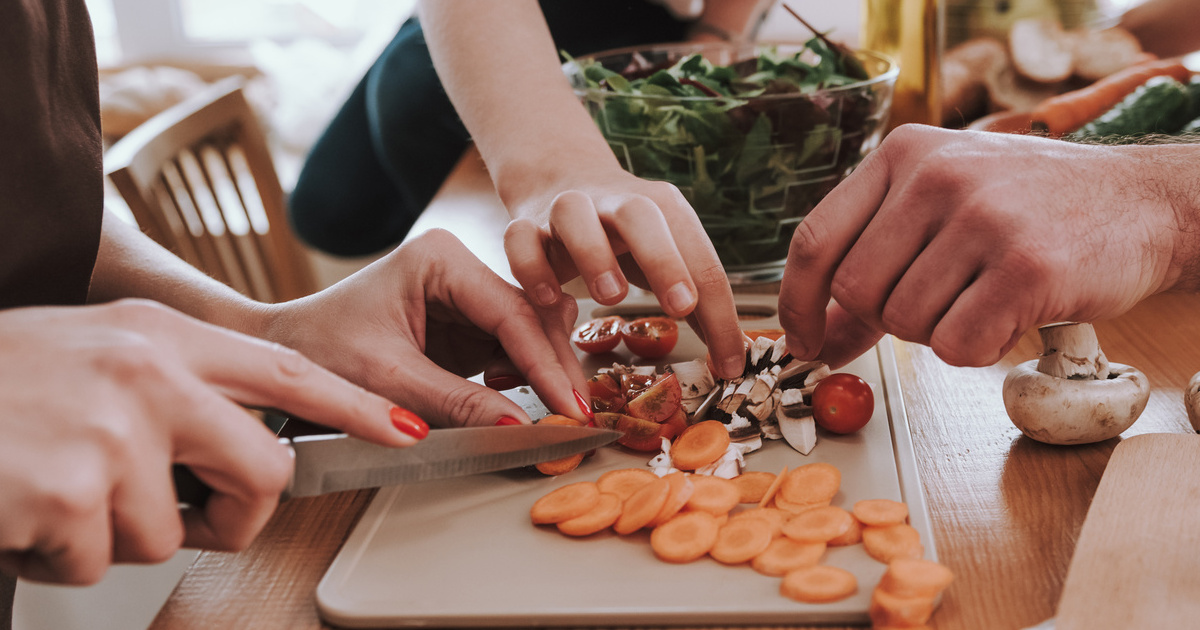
x=129 y=31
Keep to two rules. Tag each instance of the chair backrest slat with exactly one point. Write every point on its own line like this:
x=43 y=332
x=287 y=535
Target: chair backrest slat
x=200 y=180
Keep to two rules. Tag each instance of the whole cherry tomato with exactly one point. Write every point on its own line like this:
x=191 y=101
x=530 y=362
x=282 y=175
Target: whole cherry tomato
x=842 y=403
x=599 y=335
x=650 y=337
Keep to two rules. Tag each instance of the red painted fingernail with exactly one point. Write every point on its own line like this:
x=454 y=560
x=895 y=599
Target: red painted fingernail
x=408 y=423
x=506 y=421
x=583 y=405
x=504 y=381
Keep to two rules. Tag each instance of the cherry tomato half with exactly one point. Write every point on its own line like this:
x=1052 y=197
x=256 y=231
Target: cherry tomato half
x=650 y=337
x=842 y=403
x=599 y=335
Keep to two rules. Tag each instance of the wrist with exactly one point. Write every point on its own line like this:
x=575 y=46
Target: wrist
x=522 y=181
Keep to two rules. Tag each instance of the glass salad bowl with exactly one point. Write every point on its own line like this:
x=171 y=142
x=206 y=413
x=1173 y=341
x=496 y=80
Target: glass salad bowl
x=753 y=135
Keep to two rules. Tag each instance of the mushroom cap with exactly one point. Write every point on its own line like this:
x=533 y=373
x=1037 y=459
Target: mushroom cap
x=1074 y=411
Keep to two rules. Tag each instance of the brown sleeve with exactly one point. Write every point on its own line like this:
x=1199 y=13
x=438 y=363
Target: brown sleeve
x=51 y=186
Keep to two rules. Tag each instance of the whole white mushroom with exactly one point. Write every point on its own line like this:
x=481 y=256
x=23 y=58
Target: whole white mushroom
x=1072 y=394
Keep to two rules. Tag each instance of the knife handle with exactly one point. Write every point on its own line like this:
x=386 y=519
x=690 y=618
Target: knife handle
x=191 y=492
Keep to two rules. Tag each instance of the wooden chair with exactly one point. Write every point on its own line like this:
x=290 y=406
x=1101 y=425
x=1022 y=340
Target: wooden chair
x=199 y=179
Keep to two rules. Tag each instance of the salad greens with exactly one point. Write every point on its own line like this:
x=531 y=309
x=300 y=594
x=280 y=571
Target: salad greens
x=753 y=145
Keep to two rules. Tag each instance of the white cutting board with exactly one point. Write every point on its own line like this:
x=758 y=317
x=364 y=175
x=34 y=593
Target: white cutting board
x=462 y=552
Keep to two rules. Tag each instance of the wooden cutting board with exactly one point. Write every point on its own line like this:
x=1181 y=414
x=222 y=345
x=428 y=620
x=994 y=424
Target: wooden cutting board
x=1137 y=562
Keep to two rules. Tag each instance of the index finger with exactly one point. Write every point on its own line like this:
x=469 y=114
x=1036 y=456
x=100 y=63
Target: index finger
x=818 y=246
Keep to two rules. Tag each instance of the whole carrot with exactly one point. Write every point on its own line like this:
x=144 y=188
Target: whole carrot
x=1069 y=111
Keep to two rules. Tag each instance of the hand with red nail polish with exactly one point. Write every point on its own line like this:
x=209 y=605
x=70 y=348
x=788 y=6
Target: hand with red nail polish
x=417 y=323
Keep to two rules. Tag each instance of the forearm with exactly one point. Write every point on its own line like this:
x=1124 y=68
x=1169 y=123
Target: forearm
x=130 y=264
x=499 y=67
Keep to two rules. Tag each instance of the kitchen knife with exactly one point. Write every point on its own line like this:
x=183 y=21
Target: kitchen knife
x=333 y=463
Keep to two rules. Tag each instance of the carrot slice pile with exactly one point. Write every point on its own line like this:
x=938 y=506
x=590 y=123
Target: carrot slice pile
x=642 y=506
x=784 y=555
x=916 y=577
x=740 y=540
x=565 y=503
x=818 y=584
x=892 y=542
x=600 y=517
x=700 y=445
x=753 y=484
x=685 y=538
x=815 y=483
x=713 y=495
x=623 y=482
x=906 y=593
x=887 y=609
x=818 y=525
x=881 y=512
x=680 y=490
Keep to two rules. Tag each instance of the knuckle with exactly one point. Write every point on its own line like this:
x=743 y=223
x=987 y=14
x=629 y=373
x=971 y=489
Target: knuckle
x=806 y=245
x=289 y=369
x=464 y=405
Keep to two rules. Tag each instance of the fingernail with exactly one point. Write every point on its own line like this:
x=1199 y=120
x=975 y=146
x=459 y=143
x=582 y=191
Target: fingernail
x=504 y=381
x=408 y=423
x=733 y=366
x=544 y=294
x=507 y=421
x=583 y=405
x=607 y=286
x=680 y=298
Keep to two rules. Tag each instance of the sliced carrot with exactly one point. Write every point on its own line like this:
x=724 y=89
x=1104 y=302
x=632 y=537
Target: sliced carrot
x=811 y=483
x=623 y=482
x=713 y=495
x=769 y=494
x=785 y=554
x=556 y=467
x=794 y=508
x=700 y=445
x=818 y=584
x=600 y=517
x=753 y=484
x=818 y=525
x=681 y=489
x=881 y=512
x=916 y=577
x=853 y=536
x=886 y=543
x=565 y=465
x=565 y=503
x=642 y=506
x=685 y=538
x=741 y=539
x=887 y=609
x=773 y=516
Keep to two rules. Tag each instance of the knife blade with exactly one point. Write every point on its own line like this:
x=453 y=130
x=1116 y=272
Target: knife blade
x=333 y=463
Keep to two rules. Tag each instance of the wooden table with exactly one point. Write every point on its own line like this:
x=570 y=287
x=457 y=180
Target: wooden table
x=1006 y=510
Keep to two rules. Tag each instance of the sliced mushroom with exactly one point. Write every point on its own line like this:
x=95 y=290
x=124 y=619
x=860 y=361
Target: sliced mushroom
x=1073 y=395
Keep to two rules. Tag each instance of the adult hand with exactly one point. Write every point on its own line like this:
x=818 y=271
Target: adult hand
x=415 y=323
x=612 y=228
x=99 y=402
x=964 y=240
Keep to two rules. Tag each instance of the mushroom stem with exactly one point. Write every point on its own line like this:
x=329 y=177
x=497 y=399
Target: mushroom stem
x=1191 y=400
x=1071 y=350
